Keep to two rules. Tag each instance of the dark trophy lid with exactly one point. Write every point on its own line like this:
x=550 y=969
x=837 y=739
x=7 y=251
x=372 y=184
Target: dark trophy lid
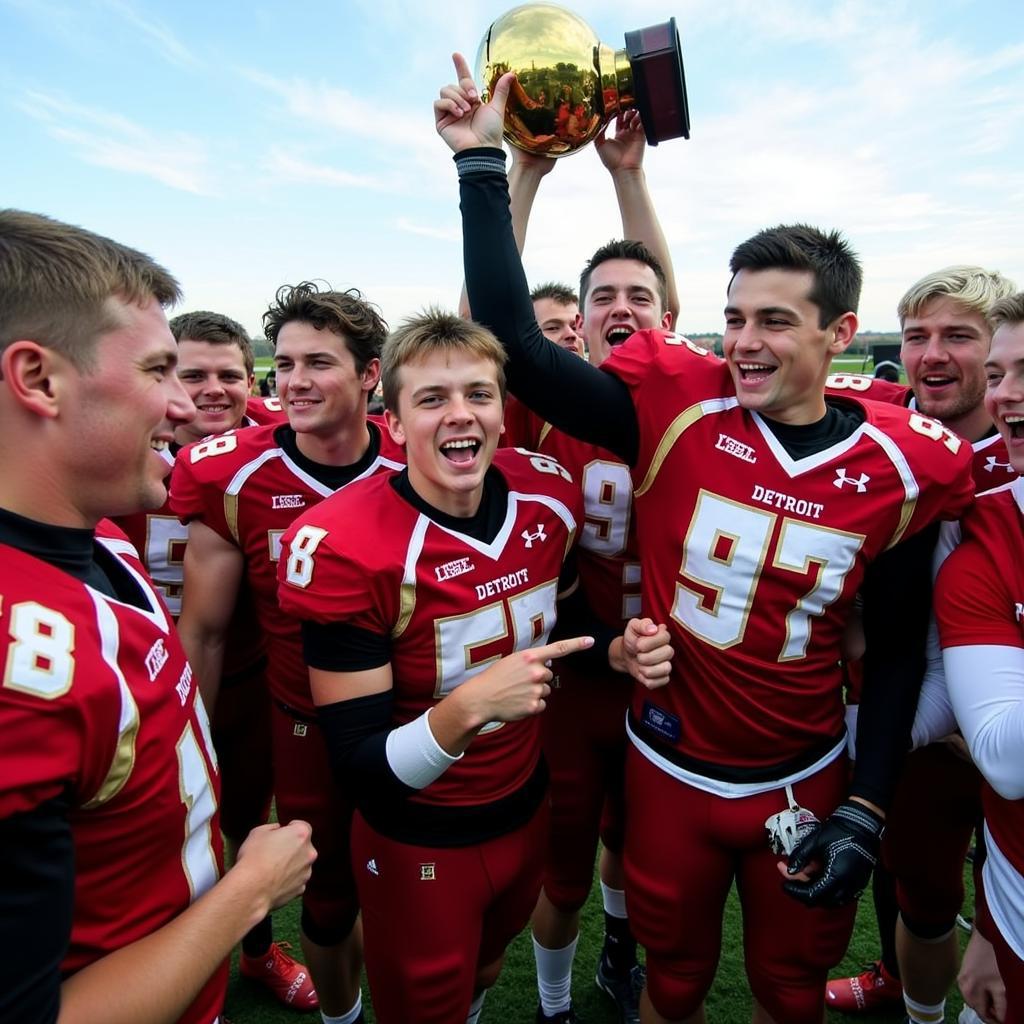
x=657 y=62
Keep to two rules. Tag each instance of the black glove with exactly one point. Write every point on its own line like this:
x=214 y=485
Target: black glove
x=846 y=844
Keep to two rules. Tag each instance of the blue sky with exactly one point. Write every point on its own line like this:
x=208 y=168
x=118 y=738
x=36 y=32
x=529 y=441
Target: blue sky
x=246 y=145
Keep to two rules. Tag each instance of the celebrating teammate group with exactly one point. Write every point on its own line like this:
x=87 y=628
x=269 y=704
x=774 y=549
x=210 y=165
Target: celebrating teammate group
x=730 y=621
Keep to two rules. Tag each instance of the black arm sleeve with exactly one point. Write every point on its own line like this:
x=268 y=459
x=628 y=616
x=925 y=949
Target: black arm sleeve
x=577 y=618
x=339 y=647
x=37 y=866
x=356 y=733
x=567 y=391
x=897 y=604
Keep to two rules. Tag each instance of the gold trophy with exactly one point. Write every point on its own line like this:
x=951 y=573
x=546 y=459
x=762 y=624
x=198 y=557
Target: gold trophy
x=570 y=85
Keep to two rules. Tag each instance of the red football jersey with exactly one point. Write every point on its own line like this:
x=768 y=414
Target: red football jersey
x=262 y=411
x=97 y=698
x=990 y=466
x=451 y=604
x=609 y=565
x=979 y=600
x=245 y=487
x=754 y=557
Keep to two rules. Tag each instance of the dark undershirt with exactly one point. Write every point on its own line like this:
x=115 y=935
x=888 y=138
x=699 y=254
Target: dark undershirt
x=596 y=406
x=330 y=476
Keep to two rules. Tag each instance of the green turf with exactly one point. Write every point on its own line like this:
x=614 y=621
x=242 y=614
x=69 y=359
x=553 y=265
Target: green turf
x=514 y=999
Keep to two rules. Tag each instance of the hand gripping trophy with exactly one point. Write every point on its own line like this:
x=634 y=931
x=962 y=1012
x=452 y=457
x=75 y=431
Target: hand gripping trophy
x=569 y=85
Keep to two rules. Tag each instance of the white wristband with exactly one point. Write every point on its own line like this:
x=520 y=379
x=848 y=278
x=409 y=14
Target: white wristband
x=414 y=755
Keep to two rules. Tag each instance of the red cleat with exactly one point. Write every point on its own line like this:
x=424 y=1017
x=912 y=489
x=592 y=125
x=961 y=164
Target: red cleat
x=285 y=977
x=873 y=989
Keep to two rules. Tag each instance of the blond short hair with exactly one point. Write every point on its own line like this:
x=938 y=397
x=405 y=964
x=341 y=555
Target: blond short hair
x=974 y=288
x=56 y=281
x=1008 y=312
x=436 y=331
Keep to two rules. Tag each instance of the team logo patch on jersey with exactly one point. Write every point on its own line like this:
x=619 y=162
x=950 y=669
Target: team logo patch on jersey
x=731 y=446
x=992 y=464
x=860 y=482
x=428 y=872
x=287 y=501
x=540 y=535
x=299 y=729
x=156 y=659
x=456 y=567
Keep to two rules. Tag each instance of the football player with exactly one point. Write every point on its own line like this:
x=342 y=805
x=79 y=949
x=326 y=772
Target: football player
x=215 y=365
x=428 y=599
x=239 y=492
x=113 y=905
x=978 y=603
x=761 y=511
x=919 y=889
x=626 y=286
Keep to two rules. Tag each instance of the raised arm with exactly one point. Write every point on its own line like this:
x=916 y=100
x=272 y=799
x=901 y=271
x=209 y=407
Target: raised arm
x=623 y=156
x=556 y=384
x=523 y=182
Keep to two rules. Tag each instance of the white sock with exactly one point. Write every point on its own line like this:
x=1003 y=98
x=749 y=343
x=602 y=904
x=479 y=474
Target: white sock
x=554 y=976
x=614 y=901
x=919 y=1013
x=475 y=1008
x=346 y=1018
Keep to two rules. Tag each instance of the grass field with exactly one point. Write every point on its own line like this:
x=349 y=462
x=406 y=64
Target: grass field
x=514 y=999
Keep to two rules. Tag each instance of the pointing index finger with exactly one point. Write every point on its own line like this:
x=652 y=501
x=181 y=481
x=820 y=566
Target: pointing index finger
x=560 y=648
x=462 y=72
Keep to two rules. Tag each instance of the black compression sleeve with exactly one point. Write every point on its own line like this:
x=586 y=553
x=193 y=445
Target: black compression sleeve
x=897 y=604
x=340 y=647
x=567 y=391
x=356 y=733
x=577 y=618
x=37 y=866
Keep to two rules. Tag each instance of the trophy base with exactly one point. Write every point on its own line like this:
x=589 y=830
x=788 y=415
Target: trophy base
x=657 y=62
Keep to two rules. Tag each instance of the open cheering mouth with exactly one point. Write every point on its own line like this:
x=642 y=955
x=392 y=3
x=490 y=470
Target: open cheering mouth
x=462 y=450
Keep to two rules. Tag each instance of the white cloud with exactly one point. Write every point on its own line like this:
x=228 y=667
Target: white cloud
x=107 y=139
x=154 y=32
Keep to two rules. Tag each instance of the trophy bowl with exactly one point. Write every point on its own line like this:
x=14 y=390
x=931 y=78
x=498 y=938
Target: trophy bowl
x=569 y=85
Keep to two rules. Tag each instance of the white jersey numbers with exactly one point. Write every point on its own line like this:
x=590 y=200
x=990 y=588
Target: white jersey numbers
x=724 y=556
x=300 y=557
x=41 y=658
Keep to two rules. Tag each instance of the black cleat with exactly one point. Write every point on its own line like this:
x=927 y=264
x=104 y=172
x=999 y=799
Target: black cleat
x=562 y=1017
x=623 y=990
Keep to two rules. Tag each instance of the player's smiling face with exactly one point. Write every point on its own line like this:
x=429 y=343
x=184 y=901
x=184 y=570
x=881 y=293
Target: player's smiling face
x=216 y=380
x=778 y=354
x=321 y=389
x=125 y=410
x=622 y=298
x=560 y=323
x=449 y=419
x=944 y=350
x=1004 y=395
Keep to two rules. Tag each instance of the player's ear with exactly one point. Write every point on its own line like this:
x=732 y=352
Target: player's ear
x=394 y=427
x=845 y=328
x=34 y=375
x=666 y=320
x=370 y=375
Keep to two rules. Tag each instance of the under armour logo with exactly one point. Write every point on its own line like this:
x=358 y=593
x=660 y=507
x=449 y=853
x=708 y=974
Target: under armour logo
x=992 y=464
x=531 y=537
x=861 y=482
